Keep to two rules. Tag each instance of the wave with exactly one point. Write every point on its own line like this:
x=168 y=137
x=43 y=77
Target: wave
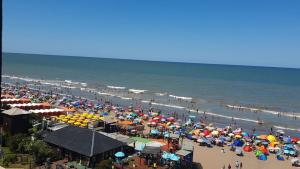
x=181 y=97
x=137 y=91
x=167 y=105
x=125 y=98
x=160 y=94
x=286 y=114
x=116 y=87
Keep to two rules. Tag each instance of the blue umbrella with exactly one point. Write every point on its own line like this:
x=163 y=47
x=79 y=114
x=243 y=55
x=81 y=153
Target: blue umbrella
x=119 y=154
x=262 y=157
x=280 y=158
x=174 y=157
x=154 y=132
x=166 y=156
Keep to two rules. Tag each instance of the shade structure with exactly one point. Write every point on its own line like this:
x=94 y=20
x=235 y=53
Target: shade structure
x=120 y=154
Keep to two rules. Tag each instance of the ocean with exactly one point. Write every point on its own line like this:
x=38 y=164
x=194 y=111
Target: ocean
x=245 y=94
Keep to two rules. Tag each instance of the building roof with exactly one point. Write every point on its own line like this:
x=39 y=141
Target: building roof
x=82 y=141
x=15 y=112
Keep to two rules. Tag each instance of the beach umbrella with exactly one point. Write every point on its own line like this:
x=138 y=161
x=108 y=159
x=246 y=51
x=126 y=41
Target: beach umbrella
x=262 y=157
x=245 y=134
x=247 y=148
x=174 y=157
x=120 y=154
x=215 y=133
x=271 y=138
x=171 y=119
x=280 y=158
x=230 y=134
x=238 y=143
x=287 y=140
x=273 y=144
x=165 y=155
x=238 y=136
x=263 y=137
x=263 y=149
x=206 y=132
x=154 y=132
x=257 y=153
x=295 y=139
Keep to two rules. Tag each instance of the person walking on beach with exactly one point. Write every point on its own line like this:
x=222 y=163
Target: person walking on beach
x=237 y=164
x=229 y=166
x=241 y=165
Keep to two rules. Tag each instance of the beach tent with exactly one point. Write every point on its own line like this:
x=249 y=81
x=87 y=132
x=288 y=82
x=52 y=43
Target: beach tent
x=262 y=157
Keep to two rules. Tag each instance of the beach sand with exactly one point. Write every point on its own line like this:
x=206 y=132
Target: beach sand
x=213 y=158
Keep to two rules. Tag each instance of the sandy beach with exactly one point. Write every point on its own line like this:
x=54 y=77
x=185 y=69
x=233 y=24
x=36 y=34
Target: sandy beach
x=213 y=158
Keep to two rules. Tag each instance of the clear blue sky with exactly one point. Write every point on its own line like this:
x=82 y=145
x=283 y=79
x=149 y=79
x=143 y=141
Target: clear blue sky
x=247 y=32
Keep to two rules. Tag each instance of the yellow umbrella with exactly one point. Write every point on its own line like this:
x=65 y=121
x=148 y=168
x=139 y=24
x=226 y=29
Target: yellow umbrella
x=79 y=120
x=71 y=121
x=77 y=123
x=271 y=138
x=86 y=121
x=64 y=120
x=62 y=115
x=90 y=116
x=101 y=118
x=238 y=136
x=83 y=125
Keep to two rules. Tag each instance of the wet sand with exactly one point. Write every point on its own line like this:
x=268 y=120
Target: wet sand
x=213 y=158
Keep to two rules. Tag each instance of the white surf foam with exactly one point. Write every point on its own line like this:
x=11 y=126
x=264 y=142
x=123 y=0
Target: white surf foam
x=286 y=114
x=116 y=87
x=137 y=91
x=181 y=97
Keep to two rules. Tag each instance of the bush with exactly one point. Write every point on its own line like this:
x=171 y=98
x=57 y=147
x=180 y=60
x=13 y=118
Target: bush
x=9 y=158
x=42 y=151
x=104 y=164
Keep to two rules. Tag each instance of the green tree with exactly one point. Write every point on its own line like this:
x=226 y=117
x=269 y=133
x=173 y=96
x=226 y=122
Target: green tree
x=14 y=141
x=104 y=164
x=41 y=151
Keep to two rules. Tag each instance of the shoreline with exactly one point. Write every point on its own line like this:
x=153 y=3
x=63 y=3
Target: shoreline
x=135 y=97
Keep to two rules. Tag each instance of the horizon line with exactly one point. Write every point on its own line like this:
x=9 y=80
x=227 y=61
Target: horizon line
x=166 y=61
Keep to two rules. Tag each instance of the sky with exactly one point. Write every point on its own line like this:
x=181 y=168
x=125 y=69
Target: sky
x=248 y=32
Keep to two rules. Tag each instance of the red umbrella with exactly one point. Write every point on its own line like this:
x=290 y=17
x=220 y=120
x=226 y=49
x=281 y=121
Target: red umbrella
x=247 y=148
x=206 y=132
x=295 y=139
x=170 y=118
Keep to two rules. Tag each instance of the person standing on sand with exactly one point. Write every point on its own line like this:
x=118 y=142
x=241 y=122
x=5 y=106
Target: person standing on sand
x=241 y=165
x=229 y=166
x=237 y=164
